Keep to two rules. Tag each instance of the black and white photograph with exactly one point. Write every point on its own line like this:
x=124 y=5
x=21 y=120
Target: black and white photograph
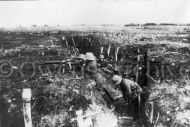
x=94 y=63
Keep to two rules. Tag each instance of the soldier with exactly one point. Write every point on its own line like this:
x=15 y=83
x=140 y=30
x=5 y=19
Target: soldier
x=82 y=63
x=101 y=57
x=82 y=58
x=102 y=61
x=130 y=91
x=91 y=64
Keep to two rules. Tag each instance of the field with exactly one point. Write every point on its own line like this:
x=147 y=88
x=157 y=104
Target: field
x=57 y=93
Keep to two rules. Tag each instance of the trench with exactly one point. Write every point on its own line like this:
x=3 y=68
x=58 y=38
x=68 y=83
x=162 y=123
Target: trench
x=128 y=53
x=89 y=44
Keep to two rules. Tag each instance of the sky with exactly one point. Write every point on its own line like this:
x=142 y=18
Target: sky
x=92 y=12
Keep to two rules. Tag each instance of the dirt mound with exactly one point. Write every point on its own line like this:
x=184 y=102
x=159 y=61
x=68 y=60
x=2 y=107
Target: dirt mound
x=56 y=96
x=171 y=101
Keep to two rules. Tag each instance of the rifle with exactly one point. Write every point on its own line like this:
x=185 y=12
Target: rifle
x=65 y=62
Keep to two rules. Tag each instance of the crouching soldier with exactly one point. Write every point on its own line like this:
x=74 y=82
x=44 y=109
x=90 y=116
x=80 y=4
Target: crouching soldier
x=81 y=64
x=130 y=91
x=91 y=64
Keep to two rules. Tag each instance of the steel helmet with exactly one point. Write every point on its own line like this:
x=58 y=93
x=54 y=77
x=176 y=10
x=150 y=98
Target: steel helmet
x=109 y=67
x=82 y=56
x=90 y=56
x=101 y=56
x=116 y=79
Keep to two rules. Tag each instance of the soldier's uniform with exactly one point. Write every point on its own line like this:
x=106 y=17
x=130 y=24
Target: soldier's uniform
x=82 y=63
x=130 y=91
x=88 y=63
x=91 y=64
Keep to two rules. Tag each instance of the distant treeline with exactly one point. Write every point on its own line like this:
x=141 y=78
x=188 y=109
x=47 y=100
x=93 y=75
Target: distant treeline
x=132 y=24
x=155 y=24
x=168 y=24
x=161 y=24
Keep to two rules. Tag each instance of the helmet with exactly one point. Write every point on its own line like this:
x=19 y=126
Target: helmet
x=101 y=56
x=90 y=56
x=82 y=56
x=109 y=67
x=116 y=79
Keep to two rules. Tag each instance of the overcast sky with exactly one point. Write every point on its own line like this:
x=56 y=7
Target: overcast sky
x=92 y=12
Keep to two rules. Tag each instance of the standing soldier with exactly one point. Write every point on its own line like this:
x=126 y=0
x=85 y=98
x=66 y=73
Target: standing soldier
x=130 y=91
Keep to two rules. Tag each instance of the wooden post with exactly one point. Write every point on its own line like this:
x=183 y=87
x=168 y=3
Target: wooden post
x=26 y=96
x=108 y=51
x=147 y=66
x=116 y=55
x=138 y=60
x=151 y=112
x=137 y=77
x=101 y=50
